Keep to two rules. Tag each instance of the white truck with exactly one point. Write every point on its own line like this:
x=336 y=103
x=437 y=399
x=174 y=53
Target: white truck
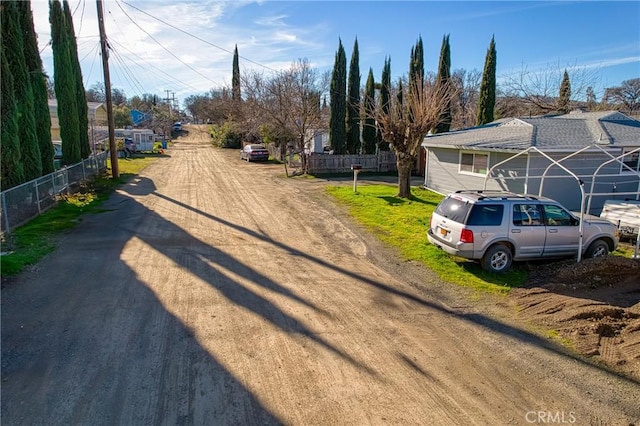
x=625 y=214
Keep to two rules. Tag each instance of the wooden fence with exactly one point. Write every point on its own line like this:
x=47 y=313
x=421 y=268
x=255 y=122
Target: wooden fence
x=384 y=161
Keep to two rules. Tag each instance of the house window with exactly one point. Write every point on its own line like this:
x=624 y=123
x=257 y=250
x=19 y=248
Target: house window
x=474 y=163
x=631 y=161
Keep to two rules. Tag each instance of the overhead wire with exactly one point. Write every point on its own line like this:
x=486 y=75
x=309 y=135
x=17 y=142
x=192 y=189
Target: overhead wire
x=45 y=46
x=130 y=77
x=153 y=69
x=196 y=37
x=121 y=61
x=95 y=55
x=83 y=2
x=135 y=57
x=89 y=52
x=163 y=47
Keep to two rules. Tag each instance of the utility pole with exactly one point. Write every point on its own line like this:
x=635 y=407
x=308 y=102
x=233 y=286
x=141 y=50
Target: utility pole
x=174 y=101
x=115 y=173
x=168 y=100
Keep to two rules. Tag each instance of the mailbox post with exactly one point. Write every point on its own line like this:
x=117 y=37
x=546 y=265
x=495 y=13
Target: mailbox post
x=356 y=169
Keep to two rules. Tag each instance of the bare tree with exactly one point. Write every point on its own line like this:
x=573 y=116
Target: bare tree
x=214 y=107
x=467 y=85
x=96 y=93
x=539 y=89
x=415 y=109
x=162 y=120
x=627 y=95
x=290 y=100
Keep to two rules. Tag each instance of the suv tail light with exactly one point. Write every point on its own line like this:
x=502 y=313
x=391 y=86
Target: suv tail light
x=466 y=236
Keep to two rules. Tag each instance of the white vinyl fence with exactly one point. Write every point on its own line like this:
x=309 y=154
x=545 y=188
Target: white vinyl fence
x=24 y=202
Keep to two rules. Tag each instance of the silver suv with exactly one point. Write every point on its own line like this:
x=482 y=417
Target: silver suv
x=497 y=228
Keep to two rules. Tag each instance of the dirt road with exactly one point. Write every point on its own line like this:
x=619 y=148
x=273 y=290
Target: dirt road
x=212 y=291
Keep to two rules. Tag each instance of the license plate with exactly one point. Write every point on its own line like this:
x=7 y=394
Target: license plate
x=444 y=232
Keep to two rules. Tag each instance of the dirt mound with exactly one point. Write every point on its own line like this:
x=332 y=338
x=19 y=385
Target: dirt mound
x=594 y=306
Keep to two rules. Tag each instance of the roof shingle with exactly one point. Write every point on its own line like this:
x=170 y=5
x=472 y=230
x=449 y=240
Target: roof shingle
x=568 y=132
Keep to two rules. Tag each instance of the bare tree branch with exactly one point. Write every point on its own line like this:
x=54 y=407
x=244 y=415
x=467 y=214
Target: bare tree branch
x=413 y=110
x=290 y=101
x=540 y=89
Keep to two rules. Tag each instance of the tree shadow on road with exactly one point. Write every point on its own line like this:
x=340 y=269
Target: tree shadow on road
x=187 y=251
x=71 y=356
x=475 y=318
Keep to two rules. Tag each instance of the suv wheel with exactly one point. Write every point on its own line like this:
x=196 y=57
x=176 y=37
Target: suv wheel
x=497 y=259
x=597 y=248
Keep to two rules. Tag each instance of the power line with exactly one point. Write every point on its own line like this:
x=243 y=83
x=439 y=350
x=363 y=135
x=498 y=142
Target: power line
x=81 y=15
x=150 y=67
x=91 y=69
x=89 y=52
x=128 y=73
x=167 y=50
x=154 y=68
x=45 y=46
x=196 y=37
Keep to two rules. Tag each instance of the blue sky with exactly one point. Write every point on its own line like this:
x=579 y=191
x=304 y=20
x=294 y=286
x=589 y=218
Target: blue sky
x=185 y=46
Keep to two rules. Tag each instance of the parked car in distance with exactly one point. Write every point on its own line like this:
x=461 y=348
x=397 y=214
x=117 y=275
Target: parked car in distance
x=177 y=126
x=254 y=152
x=496 y=228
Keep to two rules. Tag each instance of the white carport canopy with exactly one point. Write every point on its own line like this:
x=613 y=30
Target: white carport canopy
x=559 y=164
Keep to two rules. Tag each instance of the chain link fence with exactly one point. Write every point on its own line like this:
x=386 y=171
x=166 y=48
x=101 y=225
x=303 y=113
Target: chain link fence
x=24 y=202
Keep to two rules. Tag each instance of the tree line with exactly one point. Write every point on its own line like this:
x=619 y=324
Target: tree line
x=27 y=150
x=286 y=107
x=289 y=106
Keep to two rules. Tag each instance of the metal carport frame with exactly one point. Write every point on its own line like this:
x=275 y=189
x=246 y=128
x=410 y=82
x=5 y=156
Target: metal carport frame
x=580 y=182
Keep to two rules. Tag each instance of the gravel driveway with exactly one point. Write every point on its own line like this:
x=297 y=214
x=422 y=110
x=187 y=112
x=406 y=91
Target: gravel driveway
x=215 y=291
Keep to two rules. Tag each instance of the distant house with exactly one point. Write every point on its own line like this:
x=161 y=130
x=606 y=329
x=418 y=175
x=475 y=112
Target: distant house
x=317 y=141
x=462 y=159
x=144 y=139
x=97 y=115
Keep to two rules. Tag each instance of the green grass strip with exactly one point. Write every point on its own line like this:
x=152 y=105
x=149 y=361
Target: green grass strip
x=29 y=243
x=403 y=224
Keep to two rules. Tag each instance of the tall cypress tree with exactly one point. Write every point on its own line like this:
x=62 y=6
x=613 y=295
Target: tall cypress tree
x=416 y=70
x=591 y=99
x=369 y=129
x=564 y=98
x=338 y=99
x=80 y=93
x=385 y=98
x=39 y=88
x=235 y=77
x=353 y=105
x=416 y=66
x=65 y=86
x=11 y=169
x=444 y=79
x=29 y=147
x=487 y=95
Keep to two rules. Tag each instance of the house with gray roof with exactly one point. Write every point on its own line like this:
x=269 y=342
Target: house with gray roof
x=598 y=150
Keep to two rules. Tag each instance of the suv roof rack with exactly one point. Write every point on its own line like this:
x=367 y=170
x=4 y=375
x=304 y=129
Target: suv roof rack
x=495 y=194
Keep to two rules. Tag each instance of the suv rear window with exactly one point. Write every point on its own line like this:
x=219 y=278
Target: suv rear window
x=454 y=209
x=486 y=214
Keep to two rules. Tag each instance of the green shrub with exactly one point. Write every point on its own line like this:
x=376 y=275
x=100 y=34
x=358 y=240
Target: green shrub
x=226 y=135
